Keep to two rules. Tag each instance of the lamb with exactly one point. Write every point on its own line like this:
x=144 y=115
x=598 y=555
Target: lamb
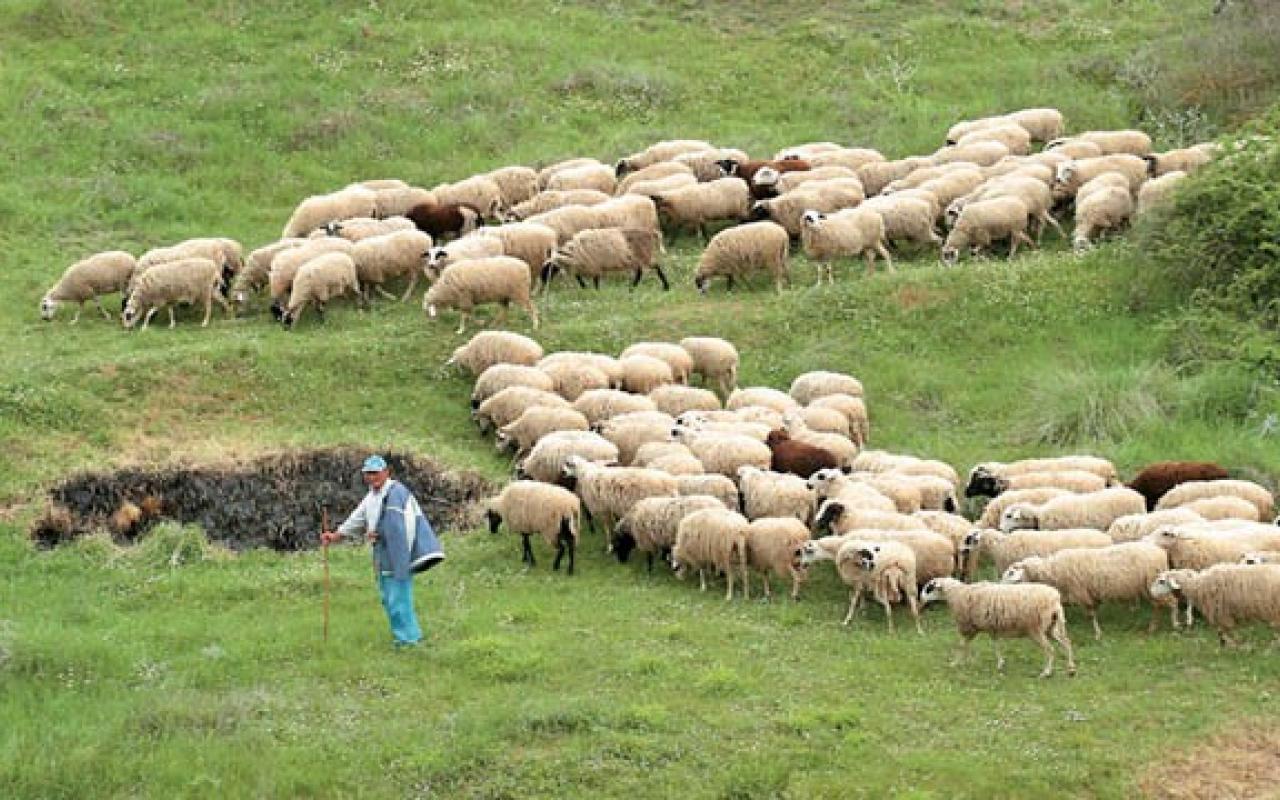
x=500 y=376
x=769 y=494
x=695 y=206
x=1158 y=191
x=588 y=177
x=651 y=525
x=1096 y=510
x=166 y=285
x=317 y=210
x=724 y=453
x=888 y=568
x=464 y=249
x=500 y=279
x=1132 y=527
x=396 y=201
x=1194 y=490
x=1073 y=175
x=609 y=492
x=528 y=508
x=826 y=196
x=89 y=279
x=257 y=269
x=1076 y=481
x=1223 y=507
x=1185 y=160
x=1006 y=549
x=549 y=201
x=601 y=404
x=642 y=374
x=993 y=511
x=1101 y=211
x=1196 y=547
x=717 y=486
x=658 y=152
x=846 y=234
x=516 y=184
x=506 y=406
x=487 y=348
x=987 y=221
x=1089 y=576
x=353 y=230
x=715 y=539
x=905 y=218
x=392 y=255
x=443 y=221
x=1226 y=594
x=285 y=266
x=546 y=460
x=478 y=192
x=596 y=253
x=537 y=421
x=772 y=545
x=675 y=399
x=655 y=172
x=320 y=280
x=999 y=610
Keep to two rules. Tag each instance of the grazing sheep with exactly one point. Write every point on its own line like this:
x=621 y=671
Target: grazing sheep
x=531 y=243
x=853 y=158
x=905 y=218
x=353 y=230
x=846 y=234
x=953 y=526
x=317 y=210
x=1089 y=576
x=1014 y=137
x=717 y=486
x=631 y=431
x=500 y=376
x=656 y=187
x=285 y=266
x=443 y=221
x=601 y=404
x=1076 y=481
x=819 y=420
x=658 y=152
x=826 y=196
x=609 y=492
x=569 y=221
x=628 y=212
x=1034 y=194
x=724 y=453
x=550 y=201
x=500 y=279
x=597 y=253
x=320 y=280
x=876 y=175
x=546 y=460
x=649 y=452
x=674 y=355
x=712 y=539
x=1101 y=211
x=548 y=172
x=803 y=151
x=705 y=164
x=651 y=525
x=1034 y=611
x=715 y=359
x=770 y=494
x=528 y=508
x=829 y=484
x=854 y=410
x=1188 y=491
x=1073 y=175
x=1094 y=464
x=166 y=285
x=478 y=192
x=1200 y=546
x=772 y=546
x=573 y=377
x=1005 y=549
x=837 y=517
x=736 y=253
x=1185 y=160
x=516 y=184
x=1134 y=143
x=888 y=568
x=984 y=153
x=401 y=254
x=810 y=386
x=1157 y=191
x=506 y=406
x=1074 y=148
x=520 y=436
x=606 y=364
x=985 y=222
x=642 y=374
x=588 y=177
x=675 y=399
x=761 y=396
x=950 y=185
x=487 y=348
x=257 y=269
x=1095 y=510
x=89 y=279
x=464 y=249
x=1226 y=595
x=1132 y=527
x=1223 y=507
x=726 y=199
x=791 y=181
x=655 y=173
x=993 y=511
x=396 y=201
x=227 y=253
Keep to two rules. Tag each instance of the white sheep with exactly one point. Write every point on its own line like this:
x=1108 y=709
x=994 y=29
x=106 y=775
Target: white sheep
x=1132 y=527
x=1185 y=160
x=487 y=348
x=982 y=153
x=531 y=243
x=506 y=406
x=791 y=181
x=738 y=252
x=480 y=192
x=320 y=280
x=826 y=196
x=520 y=436
x=1014 y=137
x=906 y=218
x=888 y=568
x=674 y=399
x=651 y=525
x=853 y=409
x=1005 y=549
x=574 y=377
x=601 y=404
x=588 y=177
x=1073 y=175
x=712 y=539
x=601 y=252
x=401 y=254
x=655 y=173
x=1226 y=595
x=849 y=233
x=166 y=285
x=772 y=547
x=1000 y=610
x=1199 y=546
x=770 y=494
x=317 y=210
x=528 y=508
x=1101 y=211
x=994 y=510
x=257 y=269
x=500 y=376
x=1158 y=191
x=516 y=184
x=985 y=222
x=1089 y=576
x=609 y=492
x=1076 y=481
x=1188 y=491
x=724 y=453
x=629 y=432
x=396 y=201
x=89 y=279
x=545 y=462
x=500 y=279
x=1095 y=510
x=717 y=486
x=1223 y=507
x=353 y=230
x=725 y=199
x=285 y=266
x=705 y=164
x=1131 y=142
x=658 y=152
x=875 y=176
x=765 y=396
x=548 y=172
x=543 y=202
x=853 y=158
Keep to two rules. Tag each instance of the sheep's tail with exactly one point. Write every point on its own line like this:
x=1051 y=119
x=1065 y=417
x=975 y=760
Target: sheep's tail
x=893 y=590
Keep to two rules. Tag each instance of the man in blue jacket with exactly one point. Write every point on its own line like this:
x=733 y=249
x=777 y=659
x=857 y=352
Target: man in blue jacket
x=403 y=544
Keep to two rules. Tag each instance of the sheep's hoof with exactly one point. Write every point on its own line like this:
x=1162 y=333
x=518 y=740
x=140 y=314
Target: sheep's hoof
x=1048 y=673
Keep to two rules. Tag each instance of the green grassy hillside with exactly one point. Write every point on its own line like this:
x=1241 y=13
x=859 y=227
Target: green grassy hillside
x=133 y=124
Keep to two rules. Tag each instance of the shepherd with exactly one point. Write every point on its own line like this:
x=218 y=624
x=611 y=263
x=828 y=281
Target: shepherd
x=403 y=544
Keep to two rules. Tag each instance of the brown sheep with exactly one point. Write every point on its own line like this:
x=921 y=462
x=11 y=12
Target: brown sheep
x=443 y=220
x=1154 y=480
x=797 y=458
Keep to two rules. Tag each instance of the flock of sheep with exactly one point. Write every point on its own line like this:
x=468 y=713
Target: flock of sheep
x=728 y=480
x=491 y=238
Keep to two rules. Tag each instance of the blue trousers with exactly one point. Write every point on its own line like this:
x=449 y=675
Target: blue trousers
x=397 y=600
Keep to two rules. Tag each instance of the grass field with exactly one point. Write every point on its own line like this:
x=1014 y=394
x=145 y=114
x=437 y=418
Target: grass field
x=133 y=124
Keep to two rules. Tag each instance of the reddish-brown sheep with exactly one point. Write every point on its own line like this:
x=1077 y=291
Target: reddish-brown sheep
x=1156 y=479
x=747 y=171
x=797 y=458
x=445 y=219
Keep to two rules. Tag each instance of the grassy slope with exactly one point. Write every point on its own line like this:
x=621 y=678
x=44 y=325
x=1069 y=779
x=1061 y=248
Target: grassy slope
x=132 y=124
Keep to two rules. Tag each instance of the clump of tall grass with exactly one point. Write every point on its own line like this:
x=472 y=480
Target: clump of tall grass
x=172 y=545
x=1083 y=406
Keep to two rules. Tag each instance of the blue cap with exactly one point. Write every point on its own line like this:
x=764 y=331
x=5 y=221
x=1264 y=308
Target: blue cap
x=374 y=464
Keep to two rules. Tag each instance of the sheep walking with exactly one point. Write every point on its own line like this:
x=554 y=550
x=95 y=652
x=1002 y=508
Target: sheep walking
x=318 y=281
x=189 y=280
x=89 y=279
x=744 y=250
x=1226 y=595
x=528 y=508
x=1002 y=610
x=845 y=234
x=712 y=539
x=500 y=279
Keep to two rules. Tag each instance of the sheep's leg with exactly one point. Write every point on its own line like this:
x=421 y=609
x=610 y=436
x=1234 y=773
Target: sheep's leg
x=854 y=596
x=555 y=565
x=884 y=253
x=79 y=310
x=662 y=276
x=385 y=294
x=966 y=642
x=413 y=284
x=462 y=322
x=573 y=549
x=728 y=577
x=870 y=256
x=728 y=284
x=1190 y=614
x=526 y=551
x=503 y=307
x=995 y=645
x=1020 y=236
x=106 y=314
x=581 y=282
x=702 y=580
x=1093 y=617
x=768 y=590
x=147 y=319
x=173 y=323
x=915 y=611
x=635 y=278
x=532 y=311
x=1047 y=649
x=796 y=580
x=888 y=612
x=1059 y=632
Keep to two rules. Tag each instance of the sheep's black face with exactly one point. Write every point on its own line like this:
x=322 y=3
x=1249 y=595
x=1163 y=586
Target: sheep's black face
x=830 y=514
x=623 y=545
x=981 y=484
x=759 y=212
x=700 y=284
x=494 y=519
x=277 y=311
x=949 y=505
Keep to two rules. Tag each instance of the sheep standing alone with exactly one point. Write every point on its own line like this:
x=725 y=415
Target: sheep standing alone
x=712 y=539
x=529 y=507
x=1000 y=610
x=1226 y=595
x=166 y=285
x=500 y=279
x=89 y=279
x=318 y=281
x=487 y=348
x=845 y=234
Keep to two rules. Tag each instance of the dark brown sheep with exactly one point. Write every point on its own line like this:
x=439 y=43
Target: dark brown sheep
x=1156 y=479
x=747 y=169
x=443 y=220
x=798 y=458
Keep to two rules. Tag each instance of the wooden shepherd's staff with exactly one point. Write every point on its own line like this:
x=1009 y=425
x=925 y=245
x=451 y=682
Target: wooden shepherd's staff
x=324 y=549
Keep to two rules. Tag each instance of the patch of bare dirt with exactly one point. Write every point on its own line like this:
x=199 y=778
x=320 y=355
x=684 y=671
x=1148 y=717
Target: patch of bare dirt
x=1242 y=764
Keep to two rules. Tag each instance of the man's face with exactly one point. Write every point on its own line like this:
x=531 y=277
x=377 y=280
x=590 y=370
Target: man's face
x=375 y=480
